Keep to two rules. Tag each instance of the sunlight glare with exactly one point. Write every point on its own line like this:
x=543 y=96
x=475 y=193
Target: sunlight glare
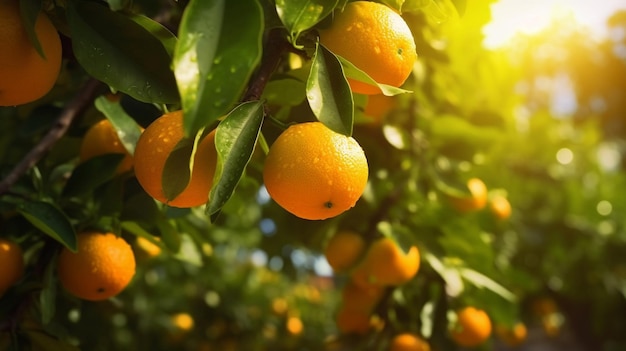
x=510 y=17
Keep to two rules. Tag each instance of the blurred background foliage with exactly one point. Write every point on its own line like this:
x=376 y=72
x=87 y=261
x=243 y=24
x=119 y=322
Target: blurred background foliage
x=540 y=120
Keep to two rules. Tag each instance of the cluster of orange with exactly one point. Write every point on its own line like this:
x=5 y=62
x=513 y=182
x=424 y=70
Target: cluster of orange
x=310 y=170
x=479 y=198
x=473 y=327
x=372 y=269
x=330 y=168
x=104 y=263
x=102 y=267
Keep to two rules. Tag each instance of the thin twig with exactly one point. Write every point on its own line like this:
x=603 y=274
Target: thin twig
x=84 y=97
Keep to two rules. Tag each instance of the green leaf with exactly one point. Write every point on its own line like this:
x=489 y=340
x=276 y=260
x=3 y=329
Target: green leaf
x=50 y=220
x=135 y=229
x=116 y=5
x=300 y=15
x=167 y=38
x=219 y=47
x=451 y=275
x=482 y=281
x=111 y=199
x=284 y=92
x=41 y=340
x=447 y=180
x=177 y=169
x=328 y=92
x=352 y=72
x=169 y=233
x=29 y=11
x=436 y=10
x=188 y=251
x=235 y=139
x=118 y=51
x=47 y=298
x=413 y=5
x=396 y=136
x=449 y=129
x=92 y=173
x=125 y=126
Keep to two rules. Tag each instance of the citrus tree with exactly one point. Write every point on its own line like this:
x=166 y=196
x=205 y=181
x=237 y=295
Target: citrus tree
x=295 y=175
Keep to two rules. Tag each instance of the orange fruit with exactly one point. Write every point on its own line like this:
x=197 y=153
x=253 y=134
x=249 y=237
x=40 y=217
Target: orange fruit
x=358 y=298
x=280 y=306
x=386 y=264
x=477 y=199
x=500 y=206
x=25 y=75
x=352 y=321
x=11 y=264
x=294 y=325
x=102 y=139
x=551 y=324
x=544 y=306
x=473 y=327
x=408 y=342
x=512 y=336
x=154 y=146
x=314 y=172
x=343 y=250
x=375 y=39
x=378 y=106
x=103 y=266
x=182 y=321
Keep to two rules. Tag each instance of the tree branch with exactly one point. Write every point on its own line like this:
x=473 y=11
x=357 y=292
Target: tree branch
x=83 y=98
x=274 y=49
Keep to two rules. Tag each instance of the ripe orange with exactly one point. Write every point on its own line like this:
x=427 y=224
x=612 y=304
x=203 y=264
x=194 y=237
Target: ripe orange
x=11 y=264
x=343 y=250
x=358 y=298
x=473 y=327
x=103 y=266
x=152 y=150
x=378 y=106
x=25 y=76
x=280 y=306
x=386 y=264
x=512 y=336
x=101 y=139
x=408 y=342
x=294 y=325
x=376 y=40
x=500 y=207
x=352 y=321
x=477 y=199
x=314 y=172
x=182 y=321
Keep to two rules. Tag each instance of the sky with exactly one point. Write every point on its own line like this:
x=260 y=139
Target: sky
x=530 y=16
